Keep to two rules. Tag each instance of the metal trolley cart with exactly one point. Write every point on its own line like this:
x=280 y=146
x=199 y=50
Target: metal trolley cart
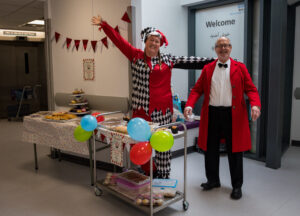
x=99 y=187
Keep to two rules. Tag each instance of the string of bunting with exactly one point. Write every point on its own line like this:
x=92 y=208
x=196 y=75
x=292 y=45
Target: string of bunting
x=104 y=40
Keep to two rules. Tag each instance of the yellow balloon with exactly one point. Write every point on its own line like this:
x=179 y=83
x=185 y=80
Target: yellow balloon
x=82 y=135
x=162 y=141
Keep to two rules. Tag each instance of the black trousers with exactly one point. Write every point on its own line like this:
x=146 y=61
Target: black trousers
x=220 y=126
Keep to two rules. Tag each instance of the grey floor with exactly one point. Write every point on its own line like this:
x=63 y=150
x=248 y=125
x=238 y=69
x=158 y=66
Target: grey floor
x=62 y=188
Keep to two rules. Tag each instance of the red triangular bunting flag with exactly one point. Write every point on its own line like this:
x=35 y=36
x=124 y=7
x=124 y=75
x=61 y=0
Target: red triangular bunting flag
x=57 y=35
x=125 y=18
x=94 y=43
x=104 y=41
x=117 y=29
x=77 y=42
x=68 y=40
x=85 y=42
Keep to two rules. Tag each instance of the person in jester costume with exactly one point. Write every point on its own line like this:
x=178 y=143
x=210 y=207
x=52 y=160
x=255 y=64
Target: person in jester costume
x=151 y=79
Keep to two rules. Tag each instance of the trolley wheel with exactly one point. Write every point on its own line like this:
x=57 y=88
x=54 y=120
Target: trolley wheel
x=185 y=205
x=98 y=191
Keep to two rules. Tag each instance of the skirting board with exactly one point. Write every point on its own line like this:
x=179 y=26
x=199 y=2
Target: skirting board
x=180 y=152
x=296 y=143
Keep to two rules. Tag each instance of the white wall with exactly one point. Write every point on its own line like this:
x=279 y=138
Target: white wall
x=72 y=18
x=190 y=2
x=170 y=18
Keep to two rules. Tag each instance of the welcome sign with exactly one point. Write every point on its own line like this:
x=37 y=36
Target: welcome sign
x=219 y=23
x=212 y=23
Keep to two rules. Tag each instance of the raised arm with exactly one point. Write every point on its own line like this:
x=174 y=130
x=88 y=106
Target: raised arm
x=190 y=62
x=124 y=46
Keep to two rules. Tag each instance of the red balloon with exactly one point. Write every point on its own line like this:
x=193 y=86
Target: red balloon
x=99 y=118
x=141 y=153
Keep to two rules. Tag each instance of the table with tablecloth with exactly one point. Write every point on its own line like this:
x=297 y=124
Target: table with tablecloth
x=54 y=134
x=59 y=135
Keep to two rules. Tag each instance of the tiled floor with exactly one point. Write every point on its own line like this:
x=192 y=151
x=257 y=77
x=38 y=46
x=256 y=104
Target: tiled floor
x=62 y=188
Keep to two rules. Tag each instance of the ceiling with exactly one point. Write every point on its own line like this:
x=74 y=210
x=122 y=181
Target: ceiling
x=14 y=14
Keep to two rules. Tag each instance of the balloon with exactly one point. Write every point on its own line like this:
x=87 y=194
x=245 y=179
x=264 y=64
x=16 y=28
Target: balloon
x=99 y=118
x=88 y=123
x=162 y=141
x=138 y=129
x=82 y=135
x=141 y=153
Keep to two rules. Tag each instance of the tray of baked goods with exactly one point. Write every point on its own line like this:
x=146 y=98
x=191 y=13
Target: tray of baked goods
x=40 y=114
x=80 y=110
x=77 y=92
x=78 y=102
x=59 y=117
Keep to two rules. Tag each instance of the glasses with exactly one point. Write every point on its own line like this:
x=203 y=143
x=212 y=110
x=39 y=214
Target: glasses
x=223 y=46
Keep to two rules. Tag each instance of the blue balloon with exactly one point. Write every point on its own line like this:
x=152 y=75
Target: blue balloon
x=88 y=123
x=138 y=129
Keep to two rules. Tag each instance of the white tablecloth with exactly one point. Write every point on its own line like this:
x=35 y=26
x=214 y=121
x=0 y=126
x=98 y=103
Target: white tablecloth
x=53 y=134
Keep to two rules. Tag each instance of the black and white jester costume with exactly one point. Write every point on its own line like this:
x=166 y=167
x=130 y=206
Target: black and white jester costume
x=151 y=77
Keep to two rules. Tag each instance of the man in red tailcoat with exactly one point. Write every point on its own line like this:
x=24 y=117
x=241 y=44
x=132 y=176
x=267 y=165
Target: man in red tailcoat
x=224 y=114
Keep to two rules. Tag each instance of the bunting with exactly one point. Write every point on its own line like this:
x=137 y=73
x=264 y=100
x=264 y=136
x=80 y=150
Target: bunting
x=57 y=35
x=125 y=17
x=94 y=43
x=117 y=29
x=85 y=42
x=104 y=41
x=77 y=42
x=68 y=40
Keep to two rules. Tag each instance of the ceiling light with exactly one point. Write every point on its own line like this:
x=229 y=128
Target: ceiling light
x=37 y=22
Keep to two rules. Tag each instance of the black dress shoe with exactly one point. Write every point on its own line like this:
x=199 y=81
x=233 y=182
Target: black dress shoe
x=236 y=193
x=210 y=185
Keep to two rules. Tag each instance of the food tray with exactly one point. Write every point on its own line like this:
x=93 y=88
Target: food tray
x=127 y=186
x=77 y=95
x=60 y=121
x=78 y=104
x=133 y=181
x=111 y=123
x=133 y=177
x=80 y=113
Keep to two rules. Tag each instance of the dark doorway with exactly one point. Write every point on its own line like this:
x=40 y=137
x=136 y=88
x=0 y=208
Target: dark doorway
x=22 y=64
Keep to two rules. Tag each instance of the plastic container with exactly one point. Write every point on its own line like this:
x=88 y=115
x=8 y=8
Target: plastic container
x=133 y=181
x=170 y=183
x=191 y=117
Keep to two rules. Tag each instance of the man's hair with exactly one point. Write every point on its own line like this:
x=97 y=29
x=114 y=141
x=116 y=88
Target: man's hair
x=223 y=37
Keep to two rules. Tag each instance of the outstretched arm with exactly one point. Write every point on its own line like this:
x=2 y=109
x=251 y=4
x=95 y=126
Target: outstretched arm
x=126 y=48
x=190 y=62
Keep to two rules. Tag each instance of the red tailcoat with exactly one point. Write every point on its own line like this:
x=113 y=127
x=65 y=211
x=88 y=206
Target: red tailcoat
x=241 y=83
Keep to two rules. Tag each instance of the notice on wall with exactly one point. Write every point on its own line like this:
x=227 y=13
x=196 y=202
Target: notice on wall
x=215 y=22
x=88 y=69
